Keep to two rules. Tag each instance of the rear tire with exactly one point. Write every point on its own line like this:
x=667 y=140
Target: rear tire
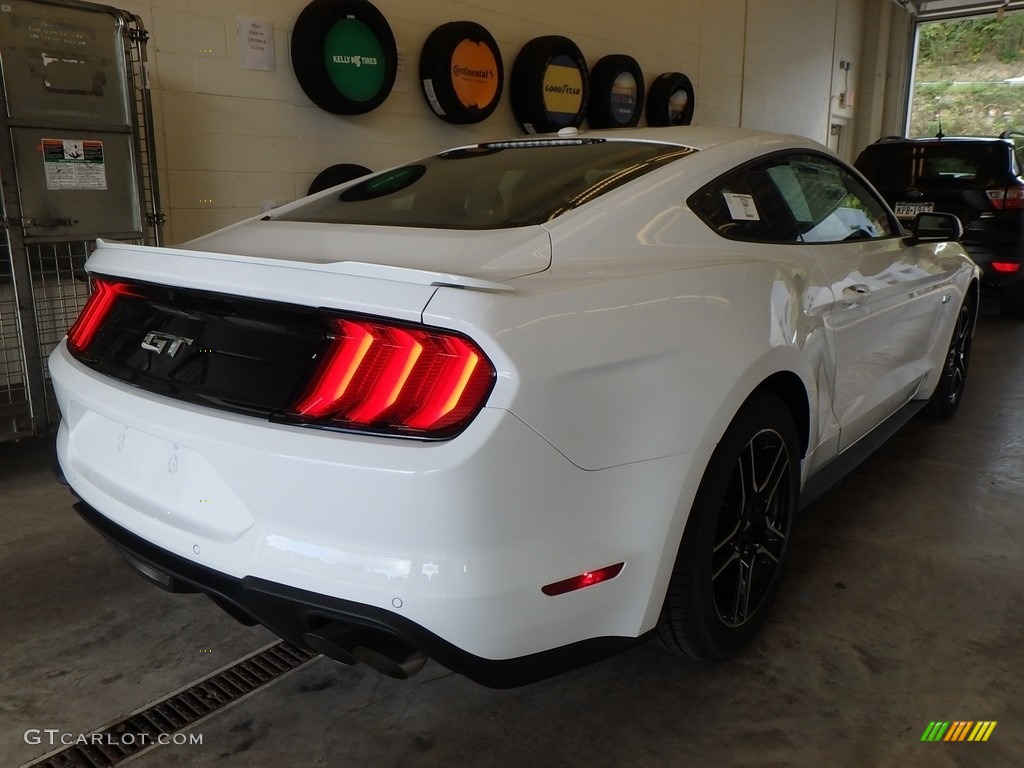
x=731 y=558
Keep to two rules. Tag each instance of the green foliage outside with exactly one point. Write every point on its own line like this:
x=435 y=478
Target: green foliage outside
x=962 y=67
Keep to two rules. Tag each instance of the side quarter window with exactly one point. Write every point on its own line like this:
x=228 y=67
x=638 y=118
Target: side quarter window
x=745 y=205
x=829 y=204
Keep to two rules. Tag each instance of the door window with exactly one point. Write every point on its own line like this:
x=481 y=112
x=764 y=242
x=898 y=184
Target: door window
x=793 y=198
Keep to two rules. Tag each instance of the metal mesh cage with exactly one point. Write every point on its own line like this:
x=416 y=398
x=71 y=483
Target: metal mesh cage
x=43 y=285
x=12 y=353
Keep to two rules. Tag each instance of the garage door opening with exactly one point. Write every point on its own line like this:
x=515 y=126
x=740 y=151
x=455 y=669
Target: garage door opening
x=969 y=76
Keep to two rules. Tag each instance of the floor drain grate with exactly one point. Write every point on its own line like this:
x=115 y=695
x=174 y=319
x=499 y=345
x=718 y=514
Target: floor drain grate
x=142 y=730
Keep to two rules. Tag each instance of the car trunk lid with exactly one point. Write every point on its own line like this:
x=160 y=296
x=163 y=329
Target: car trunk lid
x=495 y=255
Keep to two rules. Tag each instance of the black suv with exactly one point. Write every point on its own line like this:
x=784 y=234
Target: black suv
x=978 y=179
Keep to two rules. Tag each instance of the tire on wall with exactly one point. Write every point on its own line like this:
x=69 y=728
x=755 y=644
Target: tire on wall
x=461 y=72
x=616 y=97
x=344 y=55
x=336 y=174
x=736 y=541
x=671 y=100
x=549 y=85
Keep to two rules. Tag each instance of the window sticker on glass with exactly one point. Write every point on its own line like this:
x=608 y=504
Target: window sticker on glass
x=741 y=207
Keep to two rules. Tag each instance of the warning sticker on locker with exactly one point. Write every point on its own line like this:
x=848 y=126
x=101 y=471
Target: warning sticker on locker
x=74 y=164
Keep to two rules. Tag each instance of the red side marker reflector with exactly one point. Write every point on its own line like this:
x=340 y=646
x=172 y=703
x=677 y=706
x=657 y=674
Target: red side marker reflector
x=1005 y=266
x=586 y=579
x=104 y=294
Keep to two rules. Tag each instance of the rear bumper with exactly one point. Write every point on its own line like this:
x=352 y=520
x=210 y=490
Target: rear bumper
x=290 y=612
x=446 y=545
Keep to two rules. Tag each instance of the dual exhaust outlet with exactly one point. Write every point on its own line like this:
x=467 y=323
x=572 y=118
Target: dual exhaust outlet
x=350 y=644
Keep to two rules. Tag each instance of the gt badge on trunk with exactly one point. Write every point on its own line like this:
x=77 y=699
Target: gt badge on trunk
x=164 y=343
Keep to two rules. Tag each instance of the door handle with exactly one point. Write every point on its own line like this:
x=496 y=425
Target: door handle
x=855 y=294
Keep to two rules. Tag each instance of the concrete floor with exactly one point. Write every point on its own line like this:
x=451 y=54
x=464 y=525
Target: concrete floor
x=904 y=604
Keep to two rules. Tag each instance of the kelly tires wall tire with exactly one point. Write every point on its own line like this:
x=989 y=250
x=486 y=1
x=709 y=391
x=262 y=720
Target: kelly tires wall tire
x=671 y=100
x=950 y=390
x=736 y=541
x=344 y=55
x=461 y=72
x=549 y=85
x=616 y=98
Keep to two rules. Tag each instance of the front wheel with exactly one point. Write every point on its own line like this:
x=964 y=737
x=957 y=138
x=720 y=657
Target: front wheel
x=950 y=390
x=732 y=554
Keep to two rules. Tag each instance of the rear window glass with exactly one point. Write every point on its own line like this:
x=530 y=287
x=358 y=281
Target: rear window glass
x=952 y=164
x=510 y=184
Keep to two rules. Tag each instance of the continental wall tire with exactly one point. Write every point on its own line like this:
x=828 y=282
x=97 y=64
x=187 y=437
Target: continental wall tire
x=549 y=85
x=671 y=100
x=461 y=72
x=616 y=97
x=344 y=55
x=950 y=389
x=336 y=174
x=731 y=558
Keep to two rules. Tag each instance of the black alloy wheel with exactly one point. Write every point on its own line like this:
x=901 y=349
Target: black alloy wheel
x=950 y=389
x=731 y=559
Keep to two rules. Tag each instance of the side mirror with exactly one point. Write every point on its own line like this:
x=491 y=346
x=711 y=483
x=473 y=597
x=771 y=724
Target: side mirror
x=933 y=227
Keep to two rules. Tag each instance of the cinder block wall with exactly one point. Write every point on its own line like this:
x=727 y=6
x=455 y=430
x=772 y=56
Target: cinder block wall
x=230 y=140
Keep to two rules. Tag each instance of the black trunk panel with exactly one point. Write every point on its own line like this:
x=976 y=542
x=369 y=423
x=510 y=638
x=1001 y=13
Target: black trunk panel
x=238 y=354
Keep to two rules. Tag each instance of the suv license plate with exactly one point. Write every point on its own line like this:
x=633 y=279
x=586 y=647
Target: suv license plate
x=910 y=210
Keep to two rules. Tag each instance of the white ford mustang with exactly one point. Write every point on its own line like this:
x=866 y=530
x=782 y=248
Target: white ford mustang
x=515 y=406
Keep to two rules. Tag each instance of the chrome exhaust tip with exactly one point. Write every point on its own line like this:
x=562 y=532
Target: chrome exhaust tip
x=349 y=644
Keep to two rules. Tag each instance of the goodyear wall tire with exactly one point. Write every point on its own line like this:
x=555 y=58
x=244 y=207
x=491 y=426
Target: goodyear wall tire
x=344 y=55
x=461 y=72
x=549 y=85
x=671 y=100
x=616 y=97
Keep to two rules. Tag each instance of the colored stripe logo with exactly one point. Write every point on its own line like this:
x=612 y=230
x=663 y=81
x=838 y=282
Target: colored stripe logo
x=959 y=730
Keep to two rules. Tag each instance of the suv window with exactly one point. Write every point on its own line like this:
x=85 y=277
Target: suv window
x=491 y=186
x=950 y=164
x=796 y=198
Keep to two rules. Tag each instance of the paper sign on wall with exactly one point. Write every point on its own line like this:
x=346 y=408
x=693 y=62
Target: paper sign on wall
x=256 y=43
x=74 y=164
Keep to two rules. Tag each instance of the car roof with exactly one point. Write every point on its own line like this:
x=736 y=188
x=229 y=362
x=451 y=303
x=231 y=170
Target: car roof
x=694 y=136
x=944 y=140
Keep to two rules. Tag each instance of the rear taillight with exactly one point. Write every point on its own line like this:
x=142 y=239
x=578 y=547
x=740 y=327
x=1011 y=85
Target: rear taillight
x=395 y=379
x=1006 y=267
x=104 y=295
x=1010 y=198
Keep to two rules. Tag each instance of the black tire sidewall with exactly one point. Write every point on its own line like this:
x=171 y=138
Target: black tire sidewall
x=436 y=63
x=308 y=43
x=940 y=406
x=601 y=110
x=712 y=638
x=526 y=84
x=659 y=100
